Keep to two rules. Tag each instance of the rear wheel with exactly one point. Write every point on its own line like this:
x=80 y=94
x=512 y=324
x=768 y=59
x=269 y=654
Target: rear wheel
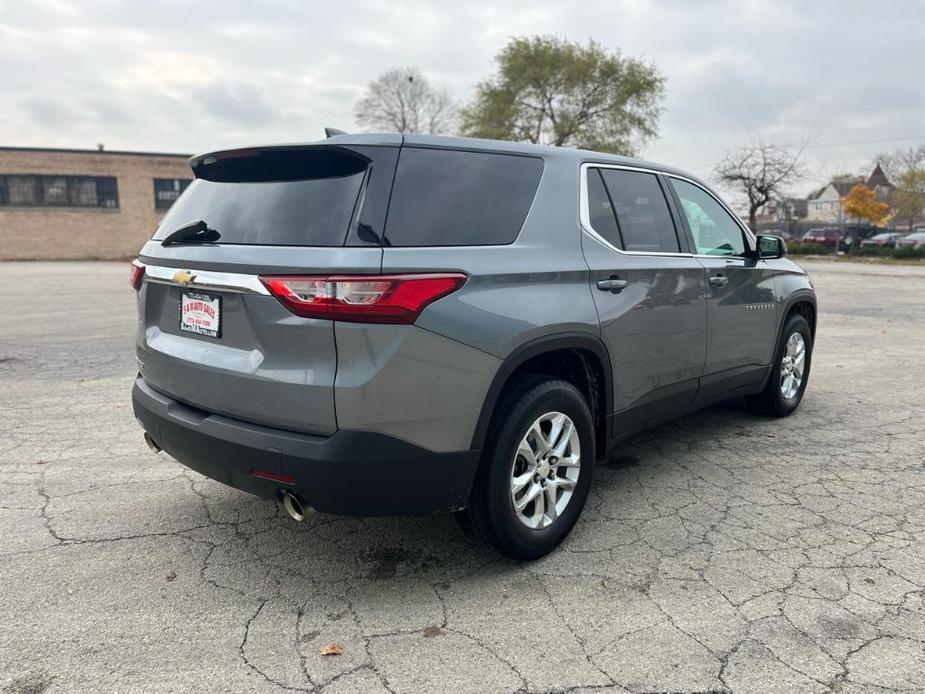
x=536 y=468
x=790 y=373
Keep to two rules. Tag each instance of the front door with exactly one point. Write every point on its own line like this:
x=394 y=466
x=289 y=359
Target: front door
x=741 y=308
x=649 y=294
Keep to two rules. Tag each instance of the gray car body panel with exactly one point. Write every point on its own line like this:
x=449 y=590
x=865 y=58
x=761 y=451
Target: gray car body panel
x=410 y=383
x=430 y=384
x=263 y=369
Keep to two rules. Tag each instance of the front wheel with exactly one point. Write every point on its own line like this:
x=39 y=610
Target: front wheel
x=536 y=470
x=790 y=372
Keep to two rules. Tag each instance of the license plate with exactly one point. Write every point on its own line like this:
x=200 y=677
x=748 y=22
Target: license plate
x=201 y=314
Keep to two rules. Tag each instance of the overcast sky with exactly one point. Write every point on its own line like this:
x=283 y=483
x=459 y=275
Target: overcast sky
x=846 y=76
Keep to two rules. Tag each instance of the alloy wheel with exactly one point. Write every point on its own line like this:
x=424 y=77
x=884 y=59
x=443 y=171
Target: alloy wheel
x=791 y=369
x=545 y=470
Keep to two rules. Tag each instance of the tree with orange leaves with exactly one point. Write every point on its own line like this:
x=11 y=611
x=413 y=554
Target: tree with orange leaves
x=862 y=203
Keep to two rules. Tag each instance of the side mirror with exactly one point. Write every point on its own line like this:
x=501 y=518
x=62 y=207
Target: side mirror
x=770 y=247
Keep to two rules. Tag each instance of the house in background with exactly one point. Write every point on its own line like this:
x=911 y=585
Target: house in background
x=880 y=184
x=788 y=209
x=825 y=204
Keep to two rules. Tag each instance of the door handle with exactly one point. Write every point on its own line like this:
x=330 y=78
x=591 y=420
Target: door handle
x=719 y=281
x=614 y=285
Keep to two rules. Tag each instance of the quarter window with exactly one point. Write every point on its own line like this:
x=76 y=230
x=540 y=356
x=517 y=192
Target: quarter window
x=643 y=219
x=167 y=190
x=600 y=210
x=454 y=198
x=714 y=230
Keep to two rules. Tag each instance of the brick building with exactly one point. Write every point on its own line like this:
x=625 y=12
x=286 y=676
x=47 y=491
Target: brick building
x=73 y=203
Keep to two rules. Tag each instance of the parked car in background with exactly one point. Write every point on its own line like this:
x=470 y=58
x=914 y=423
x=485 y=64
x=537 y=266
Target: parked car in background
x=914 y=240
x=782 y=233
x=886 y=239
x=860 y=232
x=825 y=236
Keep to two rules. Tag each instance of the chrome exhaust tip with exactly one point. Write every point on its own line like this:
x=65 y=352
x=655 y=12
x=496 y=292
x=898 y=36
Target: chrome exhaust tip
x=152 y=444
x=293 y=506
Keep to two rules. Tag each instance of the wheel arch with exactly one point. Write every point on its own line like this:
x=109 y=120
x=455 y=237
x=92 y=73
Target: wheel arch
x=587 y=348
x=802 y=302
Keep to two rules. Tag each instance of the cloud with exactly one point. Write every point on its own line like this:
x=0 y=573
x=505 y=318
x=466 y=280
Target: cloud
x=48 y=111
x=174 y=75
x=239 y=103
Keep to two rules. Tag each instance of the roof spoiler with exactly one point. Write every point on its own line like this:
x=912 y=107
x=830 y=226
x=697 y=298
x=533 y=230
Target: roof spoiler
x=279 y=163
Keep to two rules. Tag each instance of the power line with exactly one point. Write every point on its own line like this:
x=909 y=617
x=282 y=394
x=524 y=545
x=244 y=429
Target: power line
x=860 y=142
x=834 y=144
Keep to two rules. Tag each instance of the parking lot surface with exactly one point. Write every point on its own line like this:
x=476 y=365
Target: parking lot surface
x=724 y=552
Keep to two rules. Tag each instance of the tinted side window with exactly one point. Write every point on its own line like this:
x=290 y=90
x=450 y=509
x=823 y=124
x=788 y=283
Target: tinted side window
x=451 y=198
x=600 y=211
x=642 y=211
x=715 y=231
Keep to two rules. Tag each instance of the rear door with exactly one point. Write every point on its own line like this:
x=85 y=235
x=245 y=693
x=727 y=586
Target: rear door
x=649 y=294
x=313 y=210
x=742 y=313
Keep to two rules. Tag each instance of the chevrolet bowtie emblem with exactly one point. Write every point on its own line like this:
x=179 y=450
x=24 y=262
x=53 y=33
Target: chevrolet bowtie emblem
x=183 y=277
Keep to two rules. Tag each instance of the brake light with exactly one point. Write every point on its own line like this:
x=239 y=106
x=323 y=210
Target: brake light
x=363 y=299
x=138 y=274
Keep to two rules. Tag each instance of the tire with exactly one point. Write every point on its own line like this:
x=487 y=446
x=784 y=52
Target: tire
x=773 y=400
x=491 y=513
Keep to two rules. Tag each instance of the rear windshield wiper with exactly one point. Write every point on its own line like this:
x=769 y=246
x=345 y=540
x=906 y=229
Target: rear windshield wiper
x=194 y=232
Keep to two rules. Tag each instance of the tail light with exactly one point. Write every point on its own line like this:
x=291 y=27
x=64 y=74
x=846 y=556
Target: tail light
x=363 y=299
x=138 y=274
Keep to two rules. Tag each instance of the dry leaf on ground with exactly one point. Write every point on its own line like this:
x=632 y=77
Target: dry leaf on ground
x=332 y=649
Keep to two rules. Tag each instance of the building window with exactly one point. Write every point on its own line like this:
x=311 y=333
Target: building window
x=167 y=190
x=58 y=191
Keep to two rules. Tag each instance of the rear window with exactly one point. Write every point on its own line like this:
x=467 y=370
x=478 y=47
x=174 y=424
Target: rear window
x=452 y=198
x=304 y=198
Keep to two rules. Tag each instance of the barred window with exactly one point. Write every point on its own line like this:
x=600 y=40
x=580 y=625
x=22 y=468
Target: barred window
x=85 y=191
x=20 y=190
x=107 y=192
x=54 y=190
x=58 y=191
x=167 y=190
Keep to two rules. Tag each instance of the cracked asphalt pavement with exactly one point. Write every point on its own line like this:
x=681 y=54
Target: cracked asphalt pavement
x=723 y=552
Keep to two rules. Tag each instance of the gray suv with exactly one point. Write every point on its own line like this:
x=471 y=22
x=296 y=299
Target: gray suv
x=387 y=324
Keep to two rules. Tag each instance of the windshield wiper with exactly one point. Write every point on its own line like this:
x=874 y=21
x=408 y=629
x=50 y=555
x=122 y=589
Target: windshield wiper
x=194 y=232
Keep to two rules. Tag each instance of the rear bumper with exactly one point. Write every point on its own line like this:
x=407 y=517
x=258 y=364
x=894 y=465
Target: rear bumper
x=349 y=473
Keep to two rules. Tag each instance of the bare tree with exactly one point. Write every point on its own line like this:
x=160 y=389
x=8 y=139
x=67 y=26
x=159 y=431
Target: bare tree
x=760 y=172
x=402 y=100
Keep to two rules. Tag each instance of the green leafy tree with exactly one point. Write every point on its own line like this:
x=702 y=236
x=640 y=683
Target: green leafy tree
x=552 y=91
x=909 y=198
x=906 y=170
